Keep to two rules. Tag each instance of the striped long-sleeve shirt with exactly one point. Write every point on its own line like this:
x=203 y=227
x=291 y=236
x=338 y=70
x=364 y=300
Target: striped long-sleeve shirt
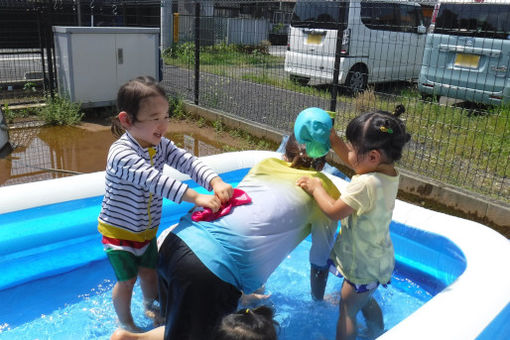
x=136 y=185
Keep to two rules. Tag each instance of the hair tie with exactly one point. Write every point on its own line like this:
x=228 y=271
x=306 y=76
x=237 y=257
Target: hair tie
x=385 y=129
x=399 y=109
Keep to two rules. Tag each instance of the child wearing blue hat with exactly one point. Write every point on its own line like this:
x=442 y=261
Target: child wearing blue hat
x=312 y=128
x=363 y=252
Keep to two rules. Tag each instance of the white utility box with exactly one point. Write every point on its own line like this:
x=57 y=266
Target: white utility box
x=93 y=62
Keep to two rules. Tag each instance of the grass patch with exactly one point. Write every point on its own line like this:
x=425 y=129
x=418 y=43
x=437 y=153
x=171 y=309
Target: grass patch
x=183 y=55
x=60 y=111
x=176 y=108
x=464 y=147
x=57 y=111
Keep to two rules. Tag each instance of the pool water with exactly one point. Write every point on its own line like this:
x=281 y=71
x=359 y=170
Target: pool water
x=77 y=305
x=56 y=282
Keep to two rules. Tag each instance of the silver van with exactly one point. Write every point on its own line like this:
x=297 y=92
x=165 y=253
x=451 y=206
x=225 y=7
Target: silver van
x=467 y=52
x=380 y=41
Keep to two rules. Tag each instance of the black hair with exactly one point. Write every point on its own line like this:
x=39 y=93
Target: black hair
x=379 y=130
x=248 y=324
x=296 y=154
x=129 y=97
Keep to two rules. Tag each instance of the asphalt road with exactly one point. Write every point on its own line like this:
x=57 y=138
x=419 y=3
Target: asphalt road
x=260 y=103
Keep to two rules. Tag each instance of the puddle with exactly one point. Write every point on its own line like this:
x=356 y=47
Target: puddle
x=50 y=152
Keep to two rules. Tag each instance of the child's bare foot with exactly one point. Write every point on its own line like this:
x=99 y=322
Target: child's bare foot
x=132 y=328
x=333 y=298
x=122 y=334
x=153 y=312
x=252 y=299
x=158 y=320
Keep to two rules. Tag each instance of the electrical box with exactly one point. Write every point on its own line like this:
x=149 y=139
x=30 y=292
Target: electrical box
x=93 y=62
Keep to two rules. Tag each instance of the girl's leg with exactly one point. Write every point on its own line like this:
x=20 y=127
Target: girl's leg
x=374 y=317
x=122 y=293
x=154 y=334
x=149 y=285
x=351 y=303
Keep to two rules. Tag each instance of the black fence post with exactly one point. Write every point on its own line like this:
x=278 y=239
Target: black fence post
x=336 y=67
x=48 y=45
x=40 y=29
x=197 y=51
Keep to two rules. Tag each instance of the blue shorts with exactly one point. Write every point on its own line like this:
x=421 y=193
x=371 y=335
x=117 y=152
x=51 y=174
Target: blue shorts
x=362 y=288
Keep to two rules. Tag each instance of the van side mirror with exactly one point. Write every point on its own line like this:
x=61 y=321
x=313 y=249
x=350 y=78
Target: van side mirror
x=422 y=29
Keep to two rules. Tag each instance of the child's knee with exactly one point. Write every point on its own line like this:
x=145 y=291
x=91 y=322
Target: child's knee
x=148 y=274
x=127 y=284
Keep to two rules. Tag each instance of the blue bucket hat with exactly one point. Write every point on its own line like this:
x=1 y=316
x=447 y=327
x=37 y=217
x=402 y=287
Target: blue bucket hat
x=312 y=128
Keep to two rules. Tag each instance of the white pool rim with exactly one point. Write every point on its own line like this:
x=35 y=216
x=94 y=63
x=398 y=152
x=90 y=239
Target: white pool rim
x=461 y=311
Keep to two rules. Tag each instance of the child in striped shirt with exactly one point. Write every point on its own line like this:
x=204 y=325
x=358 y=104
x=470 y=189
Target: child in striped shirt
x=135 y=187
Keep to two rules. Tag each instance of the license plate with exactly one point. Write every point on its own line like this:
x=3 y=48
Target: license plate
x=314 y=39
x=467 y=60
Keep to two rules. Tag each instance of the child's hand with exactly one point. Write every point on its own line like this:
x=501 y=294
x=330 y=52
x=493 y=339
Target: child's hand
x=208 y=201
x=253 y=299
x=333 y=137
x=309 y=184
x=221 y=189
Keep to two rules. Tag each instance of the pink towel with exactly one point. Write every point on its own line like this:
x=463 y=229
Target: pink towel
x=239 y=197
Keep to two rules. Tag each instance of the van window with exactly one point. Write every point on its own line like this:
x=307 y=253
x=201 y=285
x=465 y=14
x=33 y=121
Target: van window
x=475 y=20
x=391 y=17
x=321 y=14
x=410 y=18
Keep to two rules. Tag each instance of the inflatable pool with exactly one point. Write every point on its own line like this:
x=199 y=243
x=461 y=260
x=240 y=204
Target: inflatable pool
x=456 y=272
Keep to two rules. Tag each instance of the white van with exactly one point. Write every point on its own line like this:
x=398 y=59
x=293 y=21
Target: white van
x=467 y=52
x=380 y=41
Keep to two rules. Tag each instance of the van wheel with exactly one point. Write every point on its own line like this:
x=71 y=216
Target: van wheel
x=357 y=80
x=299 y=80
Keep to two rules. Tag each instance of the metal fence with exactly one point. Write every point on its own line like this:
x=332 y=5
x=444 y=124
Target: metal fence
x=27 y=57
x=448 y=65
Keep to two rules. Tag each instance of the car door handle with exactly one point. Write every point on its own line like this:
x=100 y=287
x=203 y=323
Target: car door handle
x=120 y=56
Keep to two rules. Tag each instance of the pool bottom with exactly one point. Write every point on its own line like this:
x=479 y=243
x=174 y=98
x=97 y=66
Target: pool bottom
x=77 y=305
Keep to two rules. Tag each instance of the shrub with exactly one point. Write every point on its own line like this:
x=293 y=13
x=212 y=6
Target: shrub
x=176 y=108
x=60 y=111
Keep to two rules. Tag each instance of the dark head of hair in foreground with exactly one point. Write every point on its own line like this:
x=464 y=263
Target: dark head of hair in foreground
x=248 y=324
x=131 y=95
x=296 y=154
x=379 y=130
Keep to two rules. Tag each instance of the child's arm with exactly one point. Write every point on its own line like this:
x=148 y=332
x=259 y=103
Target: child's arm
x=207 y=201
x=339 y=146
x=221 y=189
x=334 y=209
x=202 y=174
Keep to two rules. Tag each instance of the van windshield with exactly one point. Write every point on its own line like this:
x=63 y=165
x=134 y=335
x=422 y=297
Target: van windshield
x=475 y=20
x=320 y=14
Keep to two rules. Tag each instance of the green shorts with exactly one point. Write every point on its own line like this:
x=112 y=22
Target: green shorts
x=125 y=264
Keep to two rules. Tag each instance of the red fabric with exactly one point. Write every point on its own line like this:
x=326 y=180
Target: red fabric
x=125 y=243
x=239 y=197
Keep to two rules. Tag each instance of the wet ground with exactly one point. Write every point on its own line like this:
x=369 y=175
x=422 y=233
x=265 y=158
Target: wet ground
x=45 y=152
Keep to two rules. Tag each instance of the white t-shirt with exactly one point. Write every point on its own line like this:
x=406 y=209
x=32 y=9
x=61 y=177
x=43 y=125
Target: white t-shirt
x=245 y=247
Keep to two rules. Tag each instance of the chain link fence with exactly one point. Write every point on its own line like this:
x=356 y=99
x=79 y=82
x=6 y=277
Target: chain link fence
x=265 y=61
x=354 y=56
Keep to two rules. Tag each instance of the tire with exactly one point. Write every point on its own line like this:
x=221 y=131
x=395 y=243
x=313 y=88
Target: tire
x=299 y=80
x=357 y=80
